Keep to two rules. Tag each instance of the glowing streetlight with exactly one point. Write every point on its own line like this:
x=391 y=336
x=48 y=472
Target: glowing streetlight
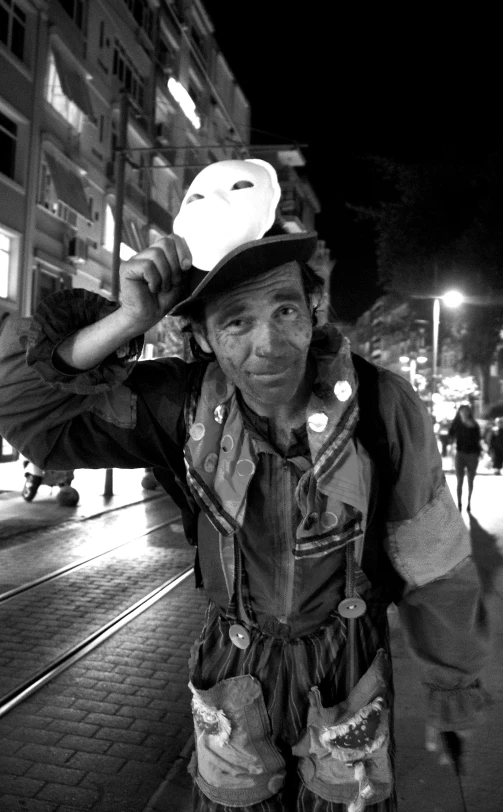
x=453 y=298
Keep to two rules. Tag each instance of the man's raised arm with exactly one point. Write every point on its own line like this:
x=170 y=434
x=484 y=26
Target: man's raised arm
x=151 y=284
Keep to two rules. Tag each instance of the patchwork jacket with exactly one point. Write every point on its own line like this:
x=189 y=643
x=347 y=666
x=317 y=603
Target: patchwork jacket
x=415 y=547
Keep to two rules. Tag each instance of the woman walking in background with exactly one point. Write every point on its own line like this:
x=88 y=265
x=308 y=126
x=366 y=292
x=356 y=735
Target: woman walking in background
x=465 y=432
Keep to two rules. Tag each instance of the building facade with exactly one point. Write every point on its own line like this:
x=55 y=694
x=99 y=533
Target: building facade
x=110 y=107
x=65 y=65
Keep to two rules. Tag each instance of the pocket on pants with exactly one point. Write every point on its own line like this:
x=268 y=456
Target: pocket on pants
x=237 y=763
x=344 y=752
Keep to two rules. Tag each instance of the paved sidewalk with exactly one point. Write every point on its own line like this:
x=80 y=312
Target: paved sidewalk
x=18 y=516
x=163 y=785
x=103 y=735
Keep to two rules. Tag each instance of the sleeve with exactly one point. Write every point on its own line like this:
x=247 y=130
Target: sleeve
x=108 y=416
x=442 y=612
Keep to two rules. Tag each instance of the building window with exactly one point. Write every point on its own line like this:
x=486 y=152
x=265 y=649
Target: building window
x=127 y=74
x=75 y=10
x=9 y=257
x=142 y=13
x=57 y=98
x=198 y=40
x=5 y=253
x=8 y=139
x=49 y=199
x=12 y=27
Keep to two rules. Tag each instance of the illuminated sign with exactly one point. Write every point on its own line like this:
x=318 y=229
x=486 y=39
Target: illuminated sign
x=185 y=101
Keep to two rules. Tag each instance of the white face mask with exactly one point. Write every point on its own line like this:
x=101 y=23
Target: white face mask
x=228 y=204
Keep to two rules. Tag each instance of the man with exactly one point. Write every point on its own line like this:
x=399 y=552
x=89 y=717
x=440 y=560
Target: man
x=310 y=481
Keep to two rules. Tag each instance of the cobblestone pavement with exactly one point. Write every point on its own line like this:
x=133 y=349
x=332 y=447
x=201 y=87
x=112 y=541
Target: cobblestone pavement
x=112 y=734
x=103 y=735
x=41 y=624
x=38 y=551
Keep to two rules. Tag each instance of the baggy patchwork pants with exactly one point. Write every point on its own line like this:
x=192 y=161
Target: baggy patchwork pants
x=254 y=746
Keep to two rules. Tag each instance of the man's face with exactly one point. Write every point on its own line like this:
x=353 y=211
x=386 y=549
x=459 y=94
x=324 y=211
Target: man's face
x=260 y=333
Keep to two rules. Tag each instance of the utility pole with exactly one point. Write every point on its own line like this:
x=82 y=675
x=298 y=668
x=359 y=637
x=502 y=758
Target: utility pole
x=120 y=171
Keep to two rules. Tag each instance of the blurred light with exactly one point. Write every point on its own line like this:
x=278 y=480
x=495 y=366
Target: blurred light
x=453 y=298
x=421 y=359
x=404 y=359
x=436 y=398
x=185 y=101
x=406 y=369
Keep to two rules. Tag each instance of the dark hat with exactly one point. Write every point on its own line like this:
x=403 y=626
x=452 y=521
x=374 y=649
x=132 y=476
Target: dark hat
x=247 y=261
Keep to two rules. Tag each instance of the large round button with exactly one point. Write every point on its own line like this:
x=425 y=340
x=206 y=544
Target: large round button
x=318 y=421
x=245 y=468
x=239 y=636
x=342 y=390
x=352 y=607
x=328 y=519
x=227 y=443
x=197 y=431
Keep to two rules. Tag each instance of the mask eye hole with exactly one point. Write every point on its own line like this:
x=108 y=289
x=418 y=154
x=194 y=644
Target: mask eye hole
x=241 y=184
x=194 y=197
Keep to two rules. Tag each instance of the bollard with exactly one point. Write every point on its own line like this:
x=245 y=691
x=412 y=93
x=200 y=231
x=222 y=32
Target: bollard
x=109 y=482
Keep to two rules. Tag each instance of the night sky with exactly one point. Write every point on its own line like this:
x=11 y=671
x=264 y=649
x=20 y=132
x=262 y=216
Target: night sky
x=408 y=88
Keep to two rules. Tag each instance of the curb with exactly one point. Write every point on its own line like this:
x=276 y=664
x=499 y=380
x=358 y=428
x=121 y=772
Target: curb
x=174 y=794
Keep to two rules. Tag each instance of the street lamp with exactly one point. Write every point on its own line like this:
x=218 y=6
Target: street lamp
x=453 y=298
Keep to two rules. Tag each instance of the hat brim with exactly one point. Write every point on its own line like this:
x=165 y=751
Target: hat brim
x=246 y=262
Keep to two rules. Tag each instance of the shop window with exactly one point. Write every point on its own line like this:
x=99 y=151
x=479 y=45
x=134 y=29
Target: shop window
x=7 y=452
x=12 y=27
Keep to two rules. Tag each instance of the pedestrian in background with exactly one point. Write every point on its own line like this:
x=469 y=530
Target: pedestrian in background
x=465 y=432
x=494 y=439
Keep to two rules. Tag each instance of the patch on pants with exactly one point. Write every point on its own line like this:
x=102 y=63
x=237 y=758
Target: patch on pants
x=237 y=763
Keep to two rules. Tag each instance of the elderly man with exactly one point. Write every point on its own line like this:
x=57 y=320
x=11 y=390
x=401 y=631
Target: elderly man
x=309 y=480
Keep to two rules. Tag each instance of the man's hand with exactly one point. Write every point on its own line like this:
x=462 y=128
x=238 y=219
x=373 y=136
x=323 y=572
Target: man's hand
x=152 y=282
x=449 y=745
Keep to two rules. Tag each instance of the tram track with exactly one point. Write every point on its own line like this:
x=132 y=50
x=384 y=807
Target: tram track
x=11 y=593
x=92 y=641
x=40 y=619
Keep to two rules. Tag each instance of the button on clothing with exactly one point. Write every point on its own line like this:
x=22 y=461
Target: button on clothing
x=352 y=607
x=239 y=636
